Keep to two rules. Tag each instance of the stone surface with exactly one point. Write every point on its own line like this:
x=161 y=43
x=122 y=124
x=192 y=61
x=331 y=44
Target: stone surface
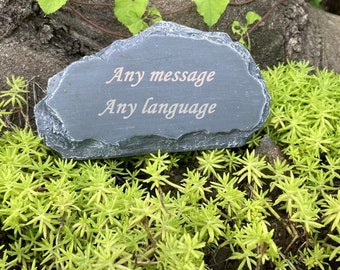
x=171 y=88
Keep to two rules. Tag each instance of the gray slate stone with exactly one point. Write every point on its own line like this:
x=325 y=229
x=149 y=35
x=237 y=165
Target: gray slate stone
x=83 y=116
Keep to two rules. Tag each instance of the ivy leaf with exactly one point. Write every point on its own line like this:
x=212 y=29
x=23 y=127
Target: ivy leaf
x=50 y=6
x=130 y=12
x=211 y=10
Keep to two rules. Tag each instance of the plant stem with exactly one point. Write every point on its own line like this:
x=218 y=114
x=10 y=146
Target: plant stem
x=104 y=30
x=91 y=4
x=242 y=3
x=265 y=16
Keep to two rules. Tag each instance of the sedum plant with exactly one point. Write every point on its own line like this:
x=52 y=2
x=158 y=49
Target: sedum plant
x=13 y=102
x=227 y=208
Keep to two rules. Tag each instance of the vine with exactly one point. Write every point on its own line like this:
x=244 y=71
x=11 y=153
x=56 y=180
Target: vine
x=137 y=15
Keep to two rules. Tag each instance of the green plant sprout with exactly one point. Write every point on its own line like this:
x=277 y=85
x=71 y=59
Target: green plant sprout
x=241 y=29
x=178 y=211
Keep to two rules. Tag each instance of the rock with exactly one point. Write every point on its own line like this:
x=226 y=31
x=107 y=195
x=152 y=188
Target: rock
x=270 y=150
x=171 y=88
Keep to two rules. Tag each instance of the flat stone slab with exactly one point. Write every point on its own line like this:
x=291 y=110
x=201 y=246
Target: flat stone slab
x=171 y=88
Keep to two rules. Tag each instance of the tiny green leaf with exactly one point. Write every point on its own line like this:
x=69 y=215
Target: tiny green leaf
x=50 y=6
x=211 y=10
x=252 y=17
x=236 y=27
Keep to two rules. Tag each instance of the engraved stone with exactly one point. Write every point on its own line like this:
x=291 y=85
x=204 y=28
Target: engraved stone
x=171 y=88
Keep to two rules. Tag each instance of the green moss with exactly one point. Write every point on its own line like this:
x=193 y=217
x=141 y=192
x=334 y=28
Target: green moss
x=179 y=211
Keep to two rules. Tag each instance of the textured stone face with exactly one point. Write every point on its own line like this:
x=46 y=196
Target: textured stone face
x=171 y=88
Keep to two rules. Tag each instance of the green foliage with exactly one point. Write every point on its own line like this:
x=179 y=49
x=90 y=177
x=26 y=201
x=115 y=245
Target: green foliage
x=3 y=114
x=211 y=10
x=49 y=6
x=12 y=100
x=176 y=211
x=14 y=96
x=242 y=29
x=131 y=12
x=304 y=121
x=304 y=116
x=316 y=3
x=210 y=161
x=336 y=250
x=331 y=209
x=252 y=169
x=138 y=15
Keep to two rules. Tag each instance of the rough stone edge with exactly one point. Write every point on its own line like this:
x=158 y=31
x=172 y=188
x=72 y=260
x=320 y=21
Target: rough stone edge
x=92 y=149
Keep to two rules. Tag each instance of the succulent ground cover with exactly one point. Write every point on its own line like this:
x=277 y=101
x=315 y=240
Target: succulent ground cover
x=273 y=204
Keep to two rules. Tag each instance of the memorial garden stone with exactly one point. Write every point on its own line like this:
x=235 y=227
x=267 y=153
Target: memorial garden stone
x=171 y=88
